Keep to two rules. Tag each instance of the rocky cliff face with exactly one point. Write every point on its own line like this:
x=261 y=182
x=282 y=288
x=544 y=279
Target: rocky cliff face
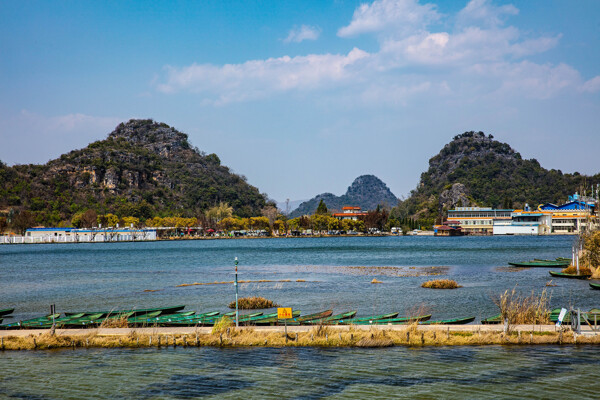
x=476 y=170
x=142 y=165
x=367 y=192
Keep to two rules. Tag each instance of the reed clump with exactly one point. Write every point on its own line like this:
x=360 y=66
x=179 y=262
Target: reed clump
x=253 y=303
x=117 y=322
x=441 y=284
x=571 y=269
x=222 y=324
x=517 y=308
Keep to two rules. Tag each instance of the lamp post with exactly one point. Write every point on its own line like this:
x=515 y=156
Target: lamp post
x=237 y=319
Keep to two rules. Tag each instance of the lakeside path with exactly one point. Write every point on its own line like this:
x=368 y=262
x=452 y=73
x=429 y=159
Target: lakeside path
x=274 y=336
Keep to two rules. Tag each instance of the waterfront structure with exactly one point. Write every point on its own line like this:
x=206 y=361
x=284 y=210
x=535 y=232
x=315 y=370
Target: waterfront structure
x=447 y=230
x=74 y=235
x=524 y=222
x=477 y=220
x=350 y=212
x=572 y=217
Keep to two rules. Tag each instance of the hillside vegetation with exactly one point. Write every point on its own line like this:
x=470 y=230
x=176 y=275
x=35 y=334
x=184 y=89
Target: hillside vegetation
x=143 y=169
x=476 y=170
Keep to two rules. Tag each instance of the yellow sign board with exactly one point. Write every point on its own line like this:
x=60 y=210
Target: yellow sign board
x=284 y=312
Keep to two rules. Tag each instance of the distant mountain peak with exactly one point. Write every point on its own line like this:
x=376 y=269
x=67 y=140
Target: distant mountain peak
x=157 y=137
x=366 y=191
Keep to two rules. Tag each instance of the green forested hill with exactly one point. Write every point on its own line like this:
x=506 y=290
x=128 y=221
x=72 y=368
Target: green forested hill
x=142 y=169
x=475 y=169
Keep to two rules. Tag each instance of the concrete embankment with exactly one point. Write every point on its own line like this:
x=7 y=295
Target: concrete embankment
x=322 y=336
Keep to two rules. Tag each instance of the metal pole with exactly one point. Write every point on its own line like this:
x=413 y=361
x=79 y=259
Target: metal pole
x=237 y=315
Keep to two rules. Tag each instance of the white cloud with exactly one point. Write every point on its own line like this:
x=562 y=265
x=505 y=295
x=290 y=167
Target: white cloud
x=490 y=52
x=592 y=85
x=531 y=80
x=485 y=12
x=396 y=15
x=471 y=45
x=257 y=78
x=305 y=32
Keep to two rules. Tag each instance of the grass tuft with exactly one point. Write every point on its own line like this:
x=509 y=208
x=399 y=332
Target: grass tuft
x=253 y=303
x=222 y=324
x=571 y=269
x=441 y=284
x=376 y=281
x=517 y=308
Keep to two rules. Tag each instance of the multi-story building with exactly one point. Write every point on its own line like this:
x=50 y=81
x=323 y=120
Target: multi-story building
x=350 y=212
x=477 y=220
x=572 y=217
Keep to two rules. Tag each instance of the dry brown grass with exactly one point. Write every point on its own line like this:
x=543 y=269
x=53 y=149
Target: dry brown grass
x=119 y=322
x=318 y=336
x=441 y=284
x=571 y=269
x=517 y=308
x=222 y=325
x=253 y=303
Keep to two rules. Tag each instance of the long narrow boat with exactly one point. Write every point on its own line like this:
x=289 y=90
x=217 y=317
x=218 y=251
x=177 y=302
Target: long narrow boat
x=141 y=311
x=496 y=319
x=309 y=317
x=274 y=320
x=85 y=321
x=393 y=321
x=6 y=311
x=331 y=320
x=160 y=319
x=208 y=319
x=58 y=322
x=380 y=317
x=454 y=321
x=39 y=320
x=595 y=286
x=540 y=264
x=568 y=276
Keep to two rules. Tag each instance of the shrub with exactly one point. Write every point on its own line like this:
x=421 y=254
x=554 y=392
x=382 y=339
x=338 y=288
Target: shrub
x=441 y=284
x=253 y=303
x=571 y=269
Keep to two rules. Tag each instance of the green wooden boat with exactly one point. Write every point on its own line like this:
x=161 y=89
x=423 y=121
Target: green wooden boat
x=393 y=321
x=6 y=311
x=30 y=322
x=454 y=321
x=274 y=320
x=595 y=286
x=308 y=317
x=568 y=276
x=331 y=320
x=209 y=319
x=540 y=264
x=84 y=322
x=141 y=311
x=380 y=317
x=496 y=319
x=160 y=319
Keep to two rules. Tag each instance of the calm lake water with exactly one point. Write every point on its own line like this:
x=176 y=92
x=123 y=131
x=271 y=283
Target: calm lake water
x=337 y=273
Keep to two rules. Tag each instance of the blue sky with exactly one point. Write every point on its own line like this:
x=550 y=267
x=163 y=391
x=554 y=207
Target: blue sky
x=303 y=97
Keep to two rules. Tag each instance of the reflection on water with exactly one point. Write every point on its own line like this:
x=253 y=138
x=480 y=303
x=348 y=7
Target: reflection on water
x=301 y=373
